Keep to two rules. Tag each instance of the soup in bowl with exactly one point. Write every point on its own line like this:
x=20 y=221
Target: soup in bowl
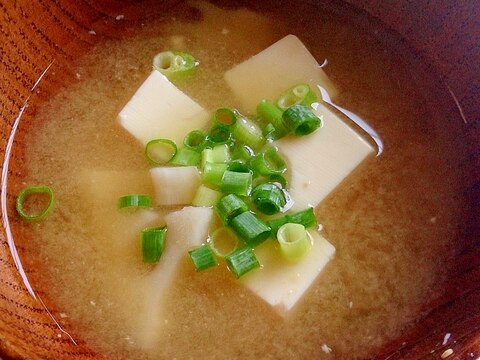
x=398 y=277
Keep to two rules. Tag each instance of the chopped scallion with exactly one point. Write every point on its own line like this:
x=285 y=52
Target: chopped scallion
x=230 y=206
x=294 y=240
x=203 y=257
x=268 y=162
x=219 y=134
x=213 y=173
x=160 y=151
x=206 y=196
x=305 y=217
x=250 y=228
x=220 y=154
x=225 y=116
x=46 y=209
x=243 y=152
x=273 y=115
x=175 y=64
x=276 y=224
x=248 y=133
x=153 y=243
x=195 y=140
x=186 y=157
x=300 y=120
x=268 y=198
x=223 y=241
x=238 y=166
x=300 y=94
x=239 y=183
x=134 y=201
x=242 y=261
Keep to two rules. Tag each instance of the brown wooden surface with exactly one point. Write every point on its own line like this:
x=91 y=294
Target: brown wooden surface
x=35 y=33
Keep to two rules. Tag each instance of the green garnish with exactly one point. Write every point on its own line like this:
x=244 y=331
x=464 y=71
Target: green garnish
x=134 y=201
x=242 y=261
x=239 y=183
x=230 y=206
x=301 y=120
x=295 y=242
x=29 y=191
x=268 y=198
x=153 y=243
x=195 y=140
x=175 y=64
x=223 y=241
x=160 y=151
x=273 y=116
x=250 y=228
x=300 y=94
x=186 y=157
x=203 y=257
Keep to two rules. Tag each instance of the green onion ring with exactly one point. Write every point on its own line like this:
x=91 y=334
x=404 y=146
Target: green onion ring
x=134 y=201
x=25 y=193
x=160 y=151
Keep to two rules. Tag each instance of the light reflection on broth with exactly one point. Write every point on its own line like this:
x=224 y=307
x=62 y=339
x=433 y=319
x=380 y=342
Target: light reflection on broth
x=392 y=222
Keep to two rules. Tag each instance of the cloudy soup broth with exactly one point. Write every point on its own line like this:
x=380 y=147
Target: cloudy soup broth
x=391 y=220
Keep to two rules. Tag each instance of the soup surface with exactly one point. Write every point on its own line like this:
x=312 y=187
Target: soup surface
x=393 y=221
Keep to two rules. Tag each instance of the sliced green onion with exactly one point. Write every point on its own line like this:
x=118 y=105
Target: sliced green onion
x=268 y=132
x=268 y=198
x=248 y=133
x=195 y=140
x=219 y=134
x=243 y=152
x=223 y=241
x=218 y=154
x=238 y=183
x=242 y=261
x=153 y=243
x=160 y=151
x=294 y=240
x=175 y=64
x=300 y=120
x=206 y=196
x=129 y=201
x=238 y=166
x=268 y=162
x=213 y=173
x=300 y=94
x=273 y=115
x=276 y=224
x=203 y=257
x=279 y=179
x=186 y=157
x=305 y=217
x=250 y=228
x=29 y=191
x=221 y=154
x=225 y=116
x=230 y=206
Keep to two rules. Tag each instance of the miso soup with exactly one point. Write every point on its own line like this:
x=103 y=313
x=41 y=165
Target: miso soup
x=393 y=221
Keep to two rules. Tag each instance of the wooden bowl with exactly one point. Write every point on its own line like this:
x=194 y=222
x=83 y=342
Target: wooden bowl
x=35 y=34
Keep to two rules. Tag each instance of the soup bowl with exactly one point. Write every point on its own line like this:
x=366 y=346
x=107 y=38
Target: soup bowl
x=40 y=39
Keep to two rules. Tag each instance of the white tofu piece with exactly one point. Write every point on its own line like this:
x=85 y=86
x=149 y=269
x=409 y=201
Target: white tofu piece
x=281 y=283
x=175 y=185
x=277 y=68
x=157 y=105
x=322 y=160
x=187 y=228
